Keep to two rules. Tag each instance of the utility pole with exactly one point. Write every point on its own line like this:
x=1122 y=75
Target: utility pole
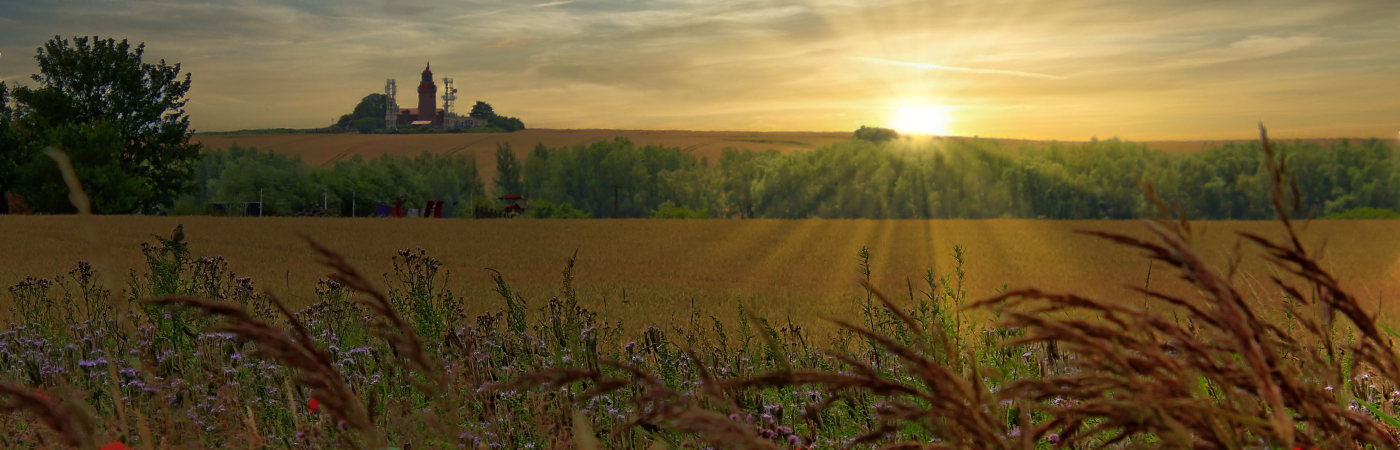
x=617 y=190
x=352 y=203
x=261 y=205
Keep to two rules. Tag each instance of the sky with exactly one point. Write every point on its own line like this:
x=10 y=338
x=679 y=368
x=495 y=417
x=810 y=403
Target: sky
x=1063 y=69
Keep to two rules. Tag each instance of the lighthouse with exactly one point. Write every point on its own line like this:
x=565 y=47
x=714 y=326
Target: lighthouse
x=427 y=98
x=427 y=113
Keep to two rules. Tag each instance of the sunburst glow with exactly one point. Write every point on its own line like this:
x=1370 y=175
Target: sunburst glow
x=923 y=119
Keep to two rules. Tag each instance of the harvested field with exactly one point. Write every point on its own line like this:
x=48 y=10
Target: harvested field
x=778 y=267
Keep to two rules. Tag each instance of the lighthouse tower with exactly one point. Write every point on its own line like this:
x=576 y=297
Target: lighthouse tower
x=427 y=98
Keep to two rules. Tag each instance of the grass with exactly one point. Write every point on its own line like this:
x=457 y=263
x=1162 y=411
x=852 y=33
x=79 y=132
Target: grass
x=187 y=355
x=404 y=365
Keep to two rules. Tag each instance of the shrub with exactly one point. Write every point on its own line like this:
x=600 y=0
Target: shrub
x=545 y=209
x=875 y=134
x=669 y=210
x=1364 y=213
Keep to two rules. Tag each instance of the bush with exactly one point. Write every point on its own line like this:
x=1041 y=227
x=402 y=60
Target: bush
x=545 y=209
x=1364 y=213
x=367 y=125
x=508 y=124
x=669 y=210
x=876 y=134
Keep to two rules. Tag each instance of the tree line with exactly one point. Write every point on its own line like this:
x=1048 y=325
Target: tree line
x=899 y=179
x=972 y=179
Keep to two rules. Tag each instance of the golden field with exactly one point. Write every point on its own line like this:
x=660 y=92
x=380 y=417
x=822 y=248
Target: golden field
x=778 y=267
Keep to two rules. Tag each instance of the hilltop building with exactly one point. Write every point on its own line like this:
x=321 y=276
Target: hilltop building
x=464 y=122
x=427 y=113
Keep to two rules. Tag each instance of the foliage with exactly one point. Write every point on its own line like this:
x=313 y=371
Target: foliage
x=508 y=170
x=368 y=114
x=283 y=183
x=14 y=151
x=349 y=187
x=875 y=134
x=937 y=179
x=668 y=210
x=509 y=124
x=545 y=209
x=482 y=110
x=100 y=93
x=95 y=151
x=604 y=176
x=1364 y=213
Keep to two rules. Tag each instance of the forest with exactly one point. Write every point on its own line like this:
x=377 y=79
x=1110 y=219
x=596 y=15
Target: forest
x=898 y=179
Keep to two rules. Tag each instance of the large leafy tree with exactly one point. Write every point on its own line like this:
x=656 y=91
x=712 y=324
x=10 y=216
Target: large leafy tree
x=13 y=150
x=368 y=114
x=123 y=120
x=482 y=110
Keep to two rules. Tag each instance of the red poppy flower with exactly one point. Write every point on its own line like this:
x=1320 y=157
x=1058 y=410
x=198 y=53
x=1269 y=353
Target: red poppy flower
x=115 y=445
x=315 y=404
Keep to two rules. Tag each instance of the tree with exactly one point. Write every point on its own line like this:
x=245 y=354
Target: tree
x=94 y=151
x=875 y=134
x=536 y=169
x=100 y=93
x=13 y=149
x=482 y=110
x=507 y=170
x=368 y=114
x=367 y=125
x=510 y=124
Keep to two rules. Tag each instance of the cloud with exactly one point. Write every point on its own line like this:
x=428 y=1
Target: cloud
x=1251 y=47
x=1013 y=73
x=1127 y=68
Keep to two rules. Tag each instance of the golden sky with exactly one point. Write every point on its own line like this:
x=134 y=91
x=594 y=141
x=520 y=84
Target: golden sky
x=1064 y=69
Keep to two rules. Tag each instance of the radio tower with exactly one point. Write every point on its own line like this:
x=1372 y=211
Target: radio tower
x=391 y=104
x=449 y=96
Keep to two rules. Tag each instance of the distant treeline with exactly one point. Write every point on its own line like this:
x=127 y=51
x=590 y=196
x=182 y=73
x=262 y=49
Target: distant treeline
x=288 y=186
x=854 y=179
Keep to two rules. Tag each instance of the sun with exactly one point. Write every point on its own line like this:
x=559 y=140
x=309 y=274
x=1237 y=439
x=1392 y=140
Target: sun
x=923 y=119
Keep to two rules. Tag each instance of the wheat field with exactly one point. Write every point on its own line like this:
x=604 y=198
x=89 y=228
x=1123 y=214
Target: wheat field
x=655 y=270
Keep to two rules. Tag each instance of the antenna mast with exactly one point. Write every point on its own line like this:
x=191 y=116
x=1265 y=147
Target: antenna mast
x=391 y=104
x=449 y=96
